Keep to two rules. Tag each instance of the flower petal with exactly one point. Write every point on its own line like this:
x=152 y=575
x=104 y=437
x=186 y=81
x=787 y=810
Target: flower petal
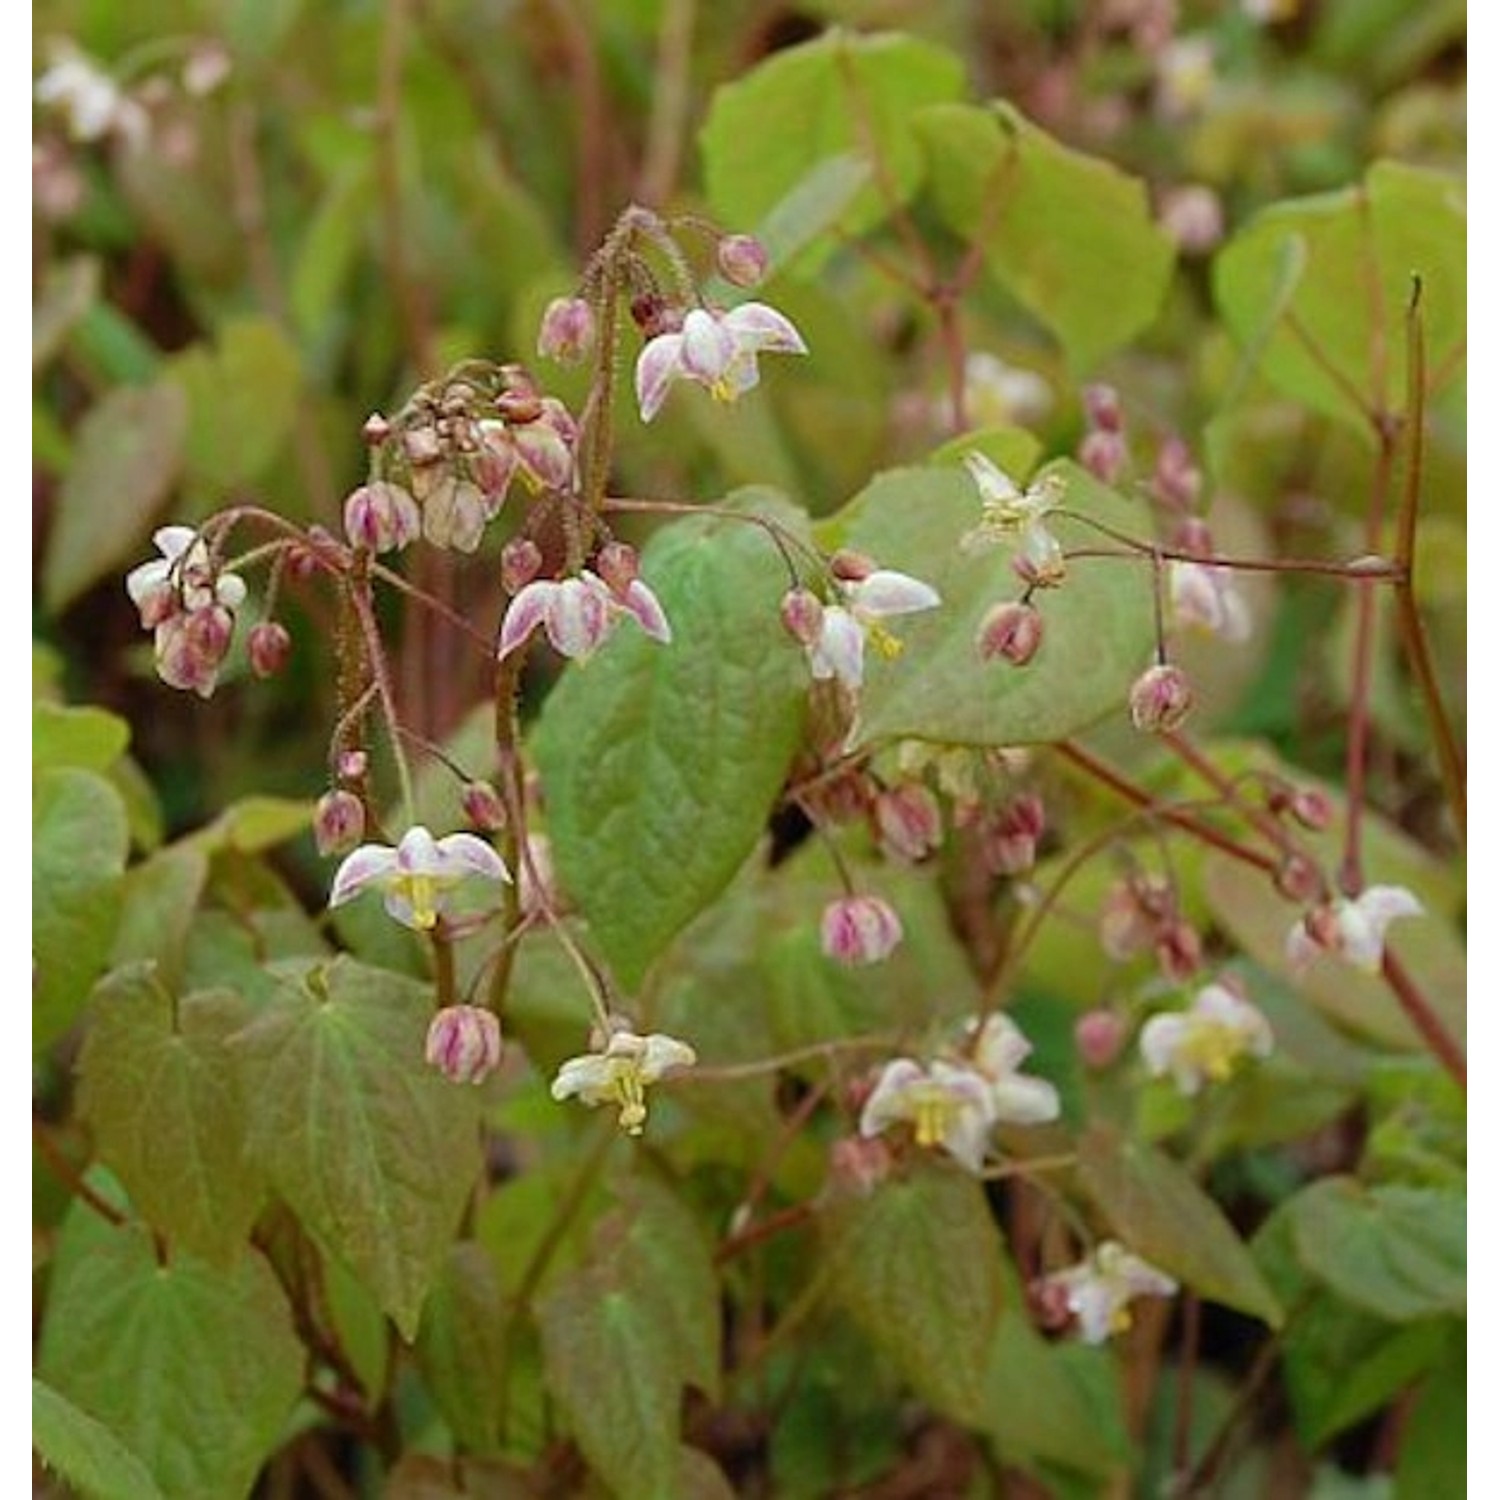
x=663 y=1055
x=756 y=326
x=1161 y=1036
x=586 y=1076
x=840 y=648
x=525 y=612
x=886 y=1104
x=660 y=363
x=708 y=347
x=886 y=592
x=1024 y=1101
x=468 y=854
x=995 y=486
x=646 y=607
x=1382 y=904
x=367 y=864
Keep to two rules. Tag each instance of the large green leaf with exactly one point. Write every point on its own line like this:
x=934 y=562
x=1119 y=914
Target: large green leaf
x=1098 y=627
x=1070 y=235
x=1398 y=1252
x=84 y=1451
x=158 y=1087
x=125 y=459
x=1159 y=1212
x=79 y=842
x=373 y=1150
x=1318 y=287
x=460 y=1349
x=90 y=738
x=192 y=1368
x=161 y=897
x=917 y=1264
x=661 y=763
x=837 y=96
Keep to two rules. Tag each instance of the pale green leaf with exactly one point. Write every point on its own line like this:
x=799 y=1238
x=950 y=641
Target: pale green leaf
x=126 y=455
x=193 y=1369
x=68 y=289
x=373 y=1150
x=79 y=843
x=661 y=763
x=84 y=1451
x=161 y=898
x=158 y=1088
x=1070 y=235
x=1097 y=627
x=91 y=739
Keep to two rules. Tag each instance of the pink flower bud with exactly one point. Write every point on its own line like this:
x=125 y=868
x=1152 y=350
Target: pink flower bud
x=1179 y=951
x=1048 y=1299
x=376 y=429
x=190 y=648
x=909 y=821
x=382 y=517
x=1009 y=837
x=1104 y=454
x=1101 y=406
x=1160 y=699
x=158 y=604
x=517 y=408
x=422 y=445
x=1011 y=630
x=520 y=562
x=802 y=615
x=619 y=565
x=850 y=566
x=1177 y=481
x=352 y=765
x=1194 y=217
x=1299 y=880
x=338 y=822
x=567 y=332
x=859 y=1164
x=1192 y=535
x=742 y=259
x=482 y=806
x=269 y=645
x=860 y=930
x=1099 y=1036
x=1312 y=809
x=463 y=1043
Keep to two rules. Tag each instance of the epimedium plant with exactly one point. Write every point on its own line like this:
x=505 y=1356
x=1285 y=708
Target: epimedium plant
x=825 y=1004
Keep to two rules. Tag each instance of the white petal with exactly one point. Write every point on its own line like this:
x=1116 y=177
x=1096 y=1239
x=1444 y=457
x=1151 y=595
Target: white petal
x=1024 y=1101
x=1361 y=941
x=581 y=1075
x=1301 y=948
x=1000 y=1047
x=659 y=365
x=887 y=1102
x=971 y=1089
x=1161 y=1036
x=468 y=854
x=756 y=326
x=646 y=607
x=886 y=592
x=840 y=648
x=147 y=578
x=173 y=541
x=663 y=1055
x=1382 y=904
x=1094 y=1303
x=708 y=347
x=418 y=853
x=525 y=612
x=967 y=1139
x=579 y=616
x=995 y=485
x=367 y=864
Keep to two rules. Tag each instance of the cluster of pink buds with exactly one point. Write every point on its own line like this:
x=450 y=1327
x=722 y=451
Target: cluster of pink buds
x=185 y=598
x=1103 y=451
x=1140 y=914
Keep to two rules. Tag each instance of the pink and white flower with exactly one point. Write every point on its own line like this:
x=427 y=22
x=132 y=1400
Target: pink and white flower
x=998 y=1047
x=717 y=349
x=1099 y=1290
x=579 y=613
x=184 y=577
x=1206 y=1042
x=418 y=876
x=839 y=648
x=621 y=1073
x=1352 y=930
x=945 y=1104
x=1206 y=598
x=860 y=930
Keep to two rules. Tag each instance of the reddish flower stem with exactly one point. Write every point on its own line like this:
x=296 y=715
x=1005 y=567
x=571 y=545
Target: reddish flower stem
x=1415 y=1007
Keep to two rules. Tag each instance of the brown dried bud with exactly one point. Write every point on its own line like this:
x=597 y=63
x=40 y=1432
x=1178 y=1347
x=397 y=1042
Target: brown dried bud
x=520 y=562
x=850 y=566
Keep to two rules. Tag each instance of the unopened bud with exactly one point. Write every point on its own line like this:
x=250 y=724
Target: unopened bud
x=1193 y=536
x=1313 y=809
x=382 y=517
x=858 y=1163
x=517 y=408
x=567 y=332
x=1101 y=406
x=860 y=930
x=909 y=821
x=1299 y=879
x=463 y=1043
x=1194 y=217
x=742 y=259
x=654 y=315
x=1104 y=454
x=352 y=765
x=1177 y=481
x=850 y=566
x=422 y=445
x=338 y=822
x=1048 y=1300
x=1011 y=630
x=520 y=562
x=482 y=806
x=376 y=429
x=1099 y=1036
x=269 y=645
x=619 y=565
x=802 y=615
x=1179 y=951
x=1160 y=699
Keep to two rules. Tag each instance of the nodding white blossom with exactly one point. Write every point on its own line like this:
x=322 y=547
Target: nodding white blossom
x=1206 y=598
x=1099 y=1290
x=946 y=1105
x=1206 y=1042
x=579 y=613
x=997 y=394
x=418 y=875
x=717 y=349
x=184 y=576
x=621 y=1073
x=838 y=651
x=1352 y=930
x=998 y=1047
x=1010 y=513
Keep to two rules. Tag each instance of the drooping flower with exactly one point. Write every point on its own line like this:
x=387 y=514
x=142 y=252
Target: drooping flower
x=839 y=649
x=860 y=930
x=909 y=821
x=94 y=103
x=381 y=516
x=567 y=331
x=1206 y=598
x=1206 y=1042
x=621 y=1073
x=185 y=577
x=1352 y=930
x=418 y=876
x=998 y=1048
x=997 y=393
x=946 y=1105
x=1010 y=514
x=717 y=349
x=1099 y=1290
x=579 y=613
x=463 y=1043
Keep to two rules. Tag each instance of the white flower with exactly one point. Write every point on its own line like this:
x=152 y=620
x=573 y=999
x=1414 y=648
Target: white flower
x=997 y=394
x=947 y=1106
x=183 y=573
x=1006 y=509
x=998 y=1048
x=1099 y=1289
x=1352 y=930
x=91 y=99
x=1207 y=599
x=839 y=649
x=1206 y=1042
x=717 y=349
x=417 y=875
x=621 y=1073
x=579 y=613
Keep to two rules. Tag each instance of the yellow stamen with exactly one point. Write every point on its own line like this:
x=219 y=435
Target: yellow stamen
x=933 y=1115
x=1214 y=1049
x=630 y=1093
x=883 y=641
x=419 y=892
